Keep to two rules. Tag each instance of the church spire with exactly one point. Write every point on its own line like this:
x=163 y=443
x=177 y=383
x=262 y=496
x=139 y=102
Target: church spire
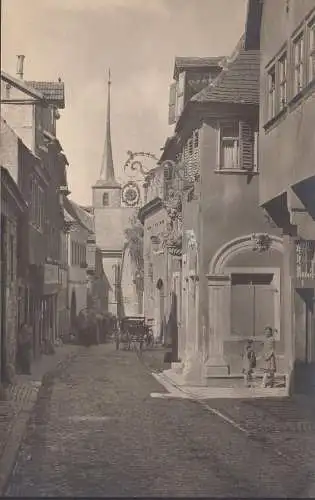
x=107 y=174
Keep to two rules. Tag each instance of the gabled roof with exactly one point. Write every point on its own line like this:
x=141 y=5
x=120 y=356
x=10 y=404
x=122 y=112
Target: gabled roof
x=79 y=214
x=238 y=83
x=54 y=92
x=182 y=63
x=21 y=85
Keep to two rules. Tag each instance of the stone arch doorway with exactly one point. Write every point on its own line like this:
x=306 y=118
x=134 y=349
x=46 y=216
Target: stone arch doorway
x=73 y=310
x=160 y=311
x=244 y=295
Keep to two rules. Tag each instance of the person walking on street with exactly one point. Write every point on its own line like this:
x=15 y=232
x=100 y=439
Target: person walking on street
x=269 y=356
x=249 y=363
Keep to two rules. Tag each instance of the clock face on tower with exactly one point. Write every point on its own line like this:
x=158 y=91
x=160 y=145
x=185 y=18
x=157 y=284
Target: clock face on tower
x=131 y=194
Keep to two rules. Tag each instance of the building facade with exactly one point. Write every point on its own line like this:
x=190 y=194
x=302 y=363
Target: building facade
x=153 y=216
x=31 y=110
x=284 y=33
x=227 y=287
x=13 y=270
x=77 y=238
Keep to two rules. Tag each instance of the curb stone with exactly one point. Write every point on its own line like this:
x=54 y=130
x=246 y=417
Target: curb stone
x=11 y=449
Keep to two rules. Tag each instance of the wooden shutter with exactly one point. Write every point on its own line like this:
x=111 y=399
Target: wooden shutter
x=264 y=304
x=172 y=104
x=246 y=146
x=242 y=310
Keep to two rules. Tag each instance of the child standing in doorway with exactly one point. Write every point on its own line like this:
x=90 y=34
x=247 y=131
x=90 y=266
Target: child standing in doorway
x=249 y=363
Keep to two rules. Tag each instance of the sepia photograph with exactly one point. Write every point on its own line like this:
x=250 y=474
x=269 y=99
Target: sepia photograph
x=157 y=249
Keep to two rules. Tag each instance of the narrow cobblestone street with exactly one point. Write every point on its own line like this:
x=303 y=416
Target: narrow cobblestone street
x=97 y=432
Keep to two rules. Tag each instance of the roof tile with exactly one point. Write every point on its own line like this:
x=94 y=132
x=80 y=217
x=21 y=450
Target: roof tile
x=238 y=83
x=52 y=91
x=182 y=63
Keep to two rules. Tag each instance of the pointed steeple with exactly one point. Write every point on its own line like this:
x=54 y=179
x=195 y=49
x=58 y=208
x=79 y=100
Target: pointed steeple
x=107 y=174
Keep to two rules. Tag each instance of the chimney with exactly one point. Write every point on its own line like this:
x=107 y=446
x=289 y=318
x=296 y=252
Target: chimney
x=20 y=64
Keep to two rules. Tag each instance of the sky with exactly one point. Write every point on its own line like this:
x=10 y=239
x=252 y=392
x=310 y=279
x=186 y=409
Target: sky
x=78 y=40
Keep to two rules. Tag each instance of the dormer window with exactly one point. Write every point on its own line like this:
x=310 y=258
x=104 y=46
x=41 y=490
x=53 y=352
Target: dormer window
x=105 y=200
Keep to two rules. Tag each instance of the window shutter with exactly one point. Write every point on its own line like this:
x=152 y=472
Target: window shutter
x=172 y=104
x=246 y=146
x=218 y=146
x=256 y=153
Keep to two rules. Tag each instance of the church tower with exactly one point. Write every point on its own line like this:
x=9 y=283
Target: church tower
x=107 y=191
x=110 y=218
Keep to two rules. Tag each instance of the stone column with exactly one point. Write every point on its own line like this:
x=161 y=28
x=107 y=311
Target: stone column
x=219 y=313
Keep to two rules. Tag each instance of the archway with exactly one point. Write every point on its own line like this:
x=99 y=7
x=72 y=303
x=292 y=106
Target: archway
x=239 y=245
x=244 y=294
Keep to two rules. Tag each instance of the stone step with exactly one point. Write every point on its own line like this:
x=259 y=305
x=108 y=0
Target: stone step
x=237 y=380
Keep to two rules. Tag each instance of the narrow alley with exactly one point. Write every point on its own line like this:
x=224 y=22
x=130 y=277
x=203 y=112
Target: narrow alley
x=96 y=431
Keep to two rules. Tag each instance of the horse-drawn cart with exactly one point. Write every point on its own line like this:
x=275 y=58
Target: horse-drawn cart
x=132 y=332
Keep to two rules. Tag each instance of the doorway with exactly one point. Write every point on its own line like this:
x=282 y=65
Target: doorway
x=255 y=301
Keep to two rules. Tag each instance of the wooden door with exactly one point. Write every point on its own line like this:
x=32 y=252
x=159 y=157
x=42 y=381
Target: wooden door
x=253 y=304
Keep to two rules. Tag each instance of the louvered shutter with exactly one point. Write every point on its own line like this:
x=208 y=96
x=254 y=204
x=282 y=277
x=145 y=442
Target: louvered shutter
x=246 y=146
x=172 y=104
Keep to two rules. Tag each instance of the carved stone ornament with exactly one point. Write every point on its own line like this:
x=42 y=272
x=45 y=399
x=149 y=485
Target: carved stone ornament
x=262 y=242
x=191 y=237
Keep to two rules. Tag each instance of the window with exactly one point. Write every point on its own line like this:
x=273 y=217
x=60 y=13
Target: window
x=305 y=259
x=237 y=146
x=298 y=59
x=283 y=80
x=105 y=199
x=271 y=92
x=311 y=51
x=229 y=146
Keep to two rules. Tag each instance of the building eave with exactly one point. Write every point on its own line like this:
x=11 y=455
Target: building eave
x=20 y=85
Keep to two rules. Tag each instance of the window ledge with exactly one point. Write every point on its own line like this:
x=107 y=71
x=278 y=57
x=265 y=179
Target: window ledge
x=269 y=124
x=238 y=171
x=305 y=92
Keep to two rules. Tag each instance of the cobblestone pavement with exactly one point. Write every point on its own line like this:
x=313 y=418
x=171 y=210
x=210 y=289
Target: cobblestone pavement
x=97 y=432
x=154 y=357
x=21 y=396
